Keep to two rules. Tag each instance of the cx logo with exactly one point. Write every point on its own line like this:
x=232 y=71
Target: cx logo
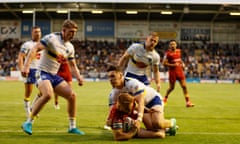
x=8 y=30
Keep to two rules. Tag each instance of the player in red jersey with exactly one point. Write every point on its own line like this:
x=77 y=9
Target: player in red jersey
x=173 y=61
x=124 y=123
x=64 y=72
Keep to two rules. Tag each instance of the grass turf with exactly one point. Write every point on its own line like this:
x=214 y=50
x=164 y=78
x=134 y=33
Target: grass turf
x=214 y=119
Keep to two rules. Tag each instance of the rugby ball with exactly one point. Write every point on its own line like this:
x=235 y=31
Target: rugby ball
x=127 y=124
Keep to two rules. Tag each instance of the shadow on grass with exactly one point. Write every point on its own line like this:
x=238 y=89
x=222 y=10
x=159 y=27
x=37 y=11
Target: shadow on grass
x=93 y=135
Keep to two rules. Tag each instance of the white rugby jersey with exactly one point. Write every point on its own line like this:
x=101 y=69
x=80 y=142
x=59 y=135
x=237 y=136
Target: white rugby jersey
x=55 y=47
x=26 y=47
x=135 y=87
x=141 y=59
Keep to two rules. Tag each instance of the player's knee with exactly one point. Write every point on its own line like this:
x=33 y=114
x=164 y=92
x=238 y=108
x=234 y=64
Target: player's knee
x=158 y=125
x=72 y=96
x=47 y=97
x=161 y=134
x=172 y=88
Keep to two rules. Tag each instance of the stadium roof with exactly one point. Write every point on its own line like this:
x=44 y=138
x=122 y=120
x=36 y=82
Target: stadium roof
x=136 y=1
x=182 y=10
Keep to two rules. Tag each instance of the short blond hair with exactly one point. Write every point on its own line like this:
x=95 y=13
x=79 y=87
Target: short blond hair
x=69 y=24
x=154 y=34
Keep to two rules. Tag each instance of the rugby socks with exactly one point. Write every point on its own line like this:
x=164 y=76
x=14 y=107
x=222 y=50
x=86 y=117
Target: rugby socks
x=27 y=106
x=56 y=103
x=31 y=118
x=171 y=123
x=72 y=123
x=187 y=99
x=34 y=100
x=165 y=100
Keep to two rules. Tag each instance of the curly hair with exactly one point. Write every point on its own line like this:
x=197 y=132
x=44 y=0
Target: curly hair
x=124 y=102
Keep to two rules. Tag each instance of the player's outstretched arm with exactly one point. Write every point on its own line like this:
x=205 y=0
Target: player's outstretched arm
x=140 y=101
x=21 y=57
x=75 y=70
x=119 y=135
x=31 y=55
x=123 y=61
x=157 y=77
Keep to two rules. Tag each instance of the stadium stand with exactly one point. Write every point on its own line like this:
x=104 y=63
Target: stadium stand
x=213 y=56
x=204 y=61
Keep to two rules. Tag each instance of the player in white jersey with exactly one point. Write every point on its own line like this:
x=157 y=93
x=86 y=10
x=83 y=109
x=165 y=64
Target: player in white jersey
x=57 y=49
x=30 y=80
x=139 y=58
x=146 y=97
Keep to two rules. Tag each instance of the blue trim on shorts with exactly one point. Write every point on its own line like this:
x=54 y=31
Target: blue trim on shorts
x=31 y=79
x=155 y=101
x=142 y=78
x=54 y=79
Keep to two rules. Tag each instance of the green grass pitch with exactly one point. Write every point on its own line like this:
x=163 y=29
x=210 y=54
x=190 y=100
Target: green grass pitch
x=214 y=120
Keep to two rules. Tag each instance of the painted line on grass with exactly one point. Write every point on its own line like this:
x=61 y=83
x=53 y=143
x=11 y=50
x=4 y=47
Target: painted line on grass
x=100 y=131
x=209 y=133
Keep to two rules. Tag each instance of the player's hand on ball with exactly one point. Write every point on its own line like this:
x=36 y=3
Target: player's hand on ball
x=137 y=124
x=128 y=124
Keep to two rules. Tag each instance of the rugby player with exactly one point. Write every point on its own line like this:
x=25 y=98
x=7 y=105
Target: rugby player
x=139 y=58
x=173 y=61
x=57 y=49
x=30 y=80
x=123 y=120
x=145 y=96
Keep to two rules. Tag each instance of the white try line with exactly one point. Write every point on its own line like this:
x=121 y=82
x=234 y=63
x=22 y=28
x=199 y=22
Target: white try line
x=108 y=131
x=208 y=133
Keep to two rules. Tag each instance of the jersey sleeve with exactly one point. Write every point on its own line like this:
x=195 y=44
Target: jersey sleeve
x=71 y=51
x=115 y=118
x=24 y=48
x=113 y=96
x=135 y=87
x=132 y=49
x=46 y=39
x=166 y=55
